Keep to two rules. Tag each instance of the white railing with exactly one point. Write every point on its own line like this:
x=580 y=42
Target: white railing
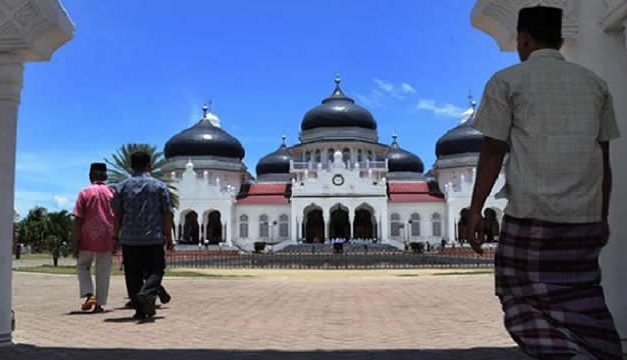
x=363 y=165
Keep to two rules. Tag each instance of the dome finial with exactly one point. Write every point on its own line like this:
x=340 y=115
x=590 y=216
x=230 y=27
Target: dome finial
x=394 y=137
x=472 y=101
x=205 y=110
x=338 y=90
x=283 y=138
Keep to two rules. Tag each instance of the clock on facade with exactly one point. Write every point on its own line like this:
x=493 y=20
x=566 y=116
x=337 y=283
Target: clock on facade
x=338 y=180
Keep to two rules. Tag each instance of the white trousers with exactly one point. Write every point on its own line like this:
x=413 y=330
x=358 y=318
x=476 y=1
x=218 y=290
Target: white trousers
x=103 y=273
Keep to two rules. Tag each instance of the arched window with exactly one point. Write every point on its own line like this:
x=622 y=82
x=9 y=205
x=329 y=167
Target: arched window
x=436 y=224
x=243 y=226
x=330 y=154
x=307 y=156
x=283 y=226
x=318 y=156
x=360 y=156
x=395 y=225
x=415 y=224
x=263 y=226
x=346 y=154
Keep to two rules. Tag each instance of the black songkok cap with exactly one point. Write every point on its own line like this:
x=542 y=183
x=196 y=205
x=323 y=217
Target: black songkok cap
x=98 y=167
x=541 y=19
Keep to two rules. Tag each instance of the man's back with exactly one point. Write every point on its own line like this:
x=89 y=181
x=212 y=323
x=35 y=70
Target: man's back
x=141 y=201
x=553 y=114
x=93 y=207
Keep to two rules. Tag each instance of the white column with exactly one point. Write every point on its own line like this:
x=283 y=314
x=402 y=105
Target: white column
x=228 y=230
x=606 y=54
x=351 y=220
x=295 y=230
x=11 y=74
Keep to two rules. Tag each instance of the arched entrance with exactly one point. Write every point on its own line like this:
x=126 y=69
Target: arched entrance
x=191 y=228
x=214 y=227
x=461 y=225
x=364 y=223
x=313 y=226
x=339 y=226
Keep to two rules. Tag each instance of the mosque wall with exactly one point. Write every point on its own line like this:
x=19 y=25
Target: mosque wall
x=262 y=222
x=417 y=220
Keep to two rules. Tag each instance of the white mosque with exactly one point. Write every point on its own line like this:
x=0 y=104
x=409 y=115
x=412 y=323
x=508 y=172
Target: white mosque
x=338 y=182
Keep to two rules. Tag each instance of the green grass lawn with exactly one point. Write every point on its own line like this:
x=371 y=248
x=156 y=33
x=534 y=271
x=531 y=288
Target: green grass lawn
x=71 y=270
x=35 y=256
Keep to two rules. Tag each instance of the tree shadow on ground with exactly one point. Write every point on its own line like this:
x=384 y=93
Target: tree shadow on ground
x=23 y=352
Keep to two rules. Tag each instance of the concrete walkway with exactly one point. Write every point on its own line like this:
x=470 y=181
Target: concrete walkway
x=271 y=315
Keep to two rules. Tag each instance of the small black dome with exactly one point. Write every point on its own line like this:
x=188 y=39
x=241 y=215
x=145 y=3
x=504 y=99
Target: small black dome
x=338 y=110
x=277 y=162
x=459 y=140
x=400 y=160
x=204 y=139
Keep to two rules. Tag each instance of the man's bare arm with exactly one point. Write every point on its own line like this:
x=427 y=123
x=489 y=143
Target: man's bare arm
x=490 y=163
x=76 y=233
x=607 y=179
x=167 y=224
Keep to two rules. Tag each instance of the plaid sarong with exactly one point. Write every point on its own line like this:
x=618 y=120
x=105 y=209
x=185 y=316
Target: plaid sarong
x=548 y=280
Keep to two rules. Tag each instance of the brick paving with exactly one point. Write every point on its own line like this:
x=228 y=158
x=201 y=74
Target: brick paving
x=274 y=315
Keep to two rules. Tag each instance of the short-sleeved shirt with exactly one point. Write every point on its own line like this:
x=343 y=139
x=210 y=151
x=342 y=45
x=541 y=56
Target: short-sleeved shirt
x=553 y=114
x=141 y=201
x=93 y=208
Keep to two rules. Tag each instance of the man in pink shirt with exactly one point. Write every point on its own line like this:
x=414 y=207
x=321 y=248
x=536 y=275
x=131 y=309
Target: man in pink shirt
x=93 y=238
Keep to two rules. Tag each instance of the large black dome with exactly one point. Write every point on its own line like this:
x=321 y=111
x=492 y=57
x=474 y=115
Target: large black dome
x=400 y=160
x=204 y=139
x=277 y=162
x=459 y=140
x=338 y=110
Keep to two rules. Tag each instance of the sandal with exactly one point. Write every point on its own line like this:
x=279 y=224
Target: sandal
x=89 y=303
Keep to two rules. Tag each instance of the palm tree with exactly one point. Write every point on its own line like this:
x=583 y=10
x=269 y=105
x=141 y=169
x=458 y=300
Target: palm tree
x=120 y=166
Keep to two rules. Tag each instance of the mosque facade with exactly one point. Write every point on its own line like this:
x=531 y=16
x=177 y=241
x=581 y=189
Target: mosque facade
x=338 y=182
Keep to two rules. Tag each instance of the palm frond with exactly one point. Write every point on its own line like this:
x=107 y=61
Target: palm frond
x=120 y=166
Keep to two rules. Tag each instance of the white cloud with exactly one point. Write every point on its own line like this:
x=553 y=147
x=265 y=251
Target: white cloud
x=62 y=201
x=406 y=88
x=25 y=200
x=399 y=91
x=384 y=88
x=447 y=110
x=51 y=179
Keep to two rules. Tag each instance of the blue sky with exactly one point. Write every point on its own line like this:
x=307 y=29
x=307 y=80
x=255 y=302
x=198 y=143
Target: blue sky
x=140 y=71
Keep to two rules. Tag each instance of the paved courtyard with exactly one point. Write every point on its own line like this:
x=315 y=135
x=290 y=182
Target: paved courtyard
x=260 y=314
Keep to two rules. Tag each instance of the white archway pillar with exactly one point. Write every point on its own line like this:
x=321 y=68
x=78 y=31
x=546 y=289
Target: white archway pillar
x=596 y=34
x=11 y=74
x=37 y=29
